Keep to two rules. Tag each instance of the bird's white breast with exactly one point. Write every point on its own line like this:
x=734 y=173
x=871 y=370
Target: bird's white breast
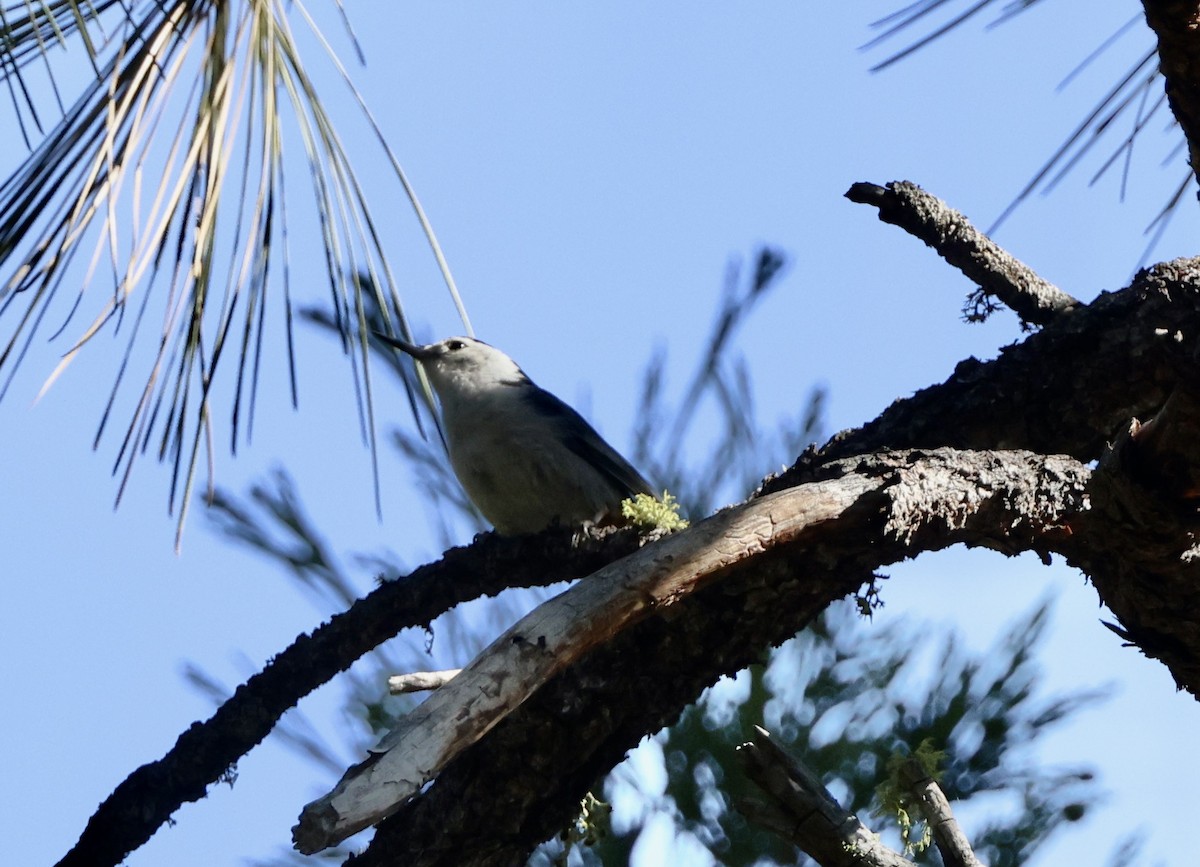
x=514 y=468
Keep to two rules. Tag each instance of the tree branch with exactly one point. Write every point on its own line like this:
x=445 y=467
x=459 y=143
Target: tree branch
x=1066 y=389
x=204 y=753
x=802 y=811
x=496 y=800
x=952 y=843
x=1176 y=23
x=561 y=631
x=998 y=273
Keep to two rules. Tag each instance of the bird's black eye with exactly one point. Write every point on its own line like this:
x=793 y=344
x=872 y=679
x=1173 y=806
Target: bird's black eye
x=455 y=345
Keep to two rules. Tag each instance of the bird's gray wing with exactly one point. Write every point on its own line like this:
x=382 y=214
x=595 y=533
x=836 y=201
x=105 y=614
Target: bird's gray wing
x=582 y=439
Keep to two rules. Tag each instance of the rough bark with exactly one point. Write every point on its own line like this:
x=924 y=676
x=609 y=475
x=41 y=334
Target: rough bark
x=1068 y=389
x=999 y=274
x=1176 y=24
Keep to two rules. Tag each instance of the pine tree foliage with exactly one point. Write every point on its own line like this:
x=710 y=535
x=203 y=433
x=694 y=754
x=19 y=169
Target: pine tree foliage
x=170 y=174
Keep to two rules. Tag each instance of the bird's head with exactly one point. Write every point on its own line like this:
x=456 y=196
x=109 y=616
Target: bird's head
x=460 y=366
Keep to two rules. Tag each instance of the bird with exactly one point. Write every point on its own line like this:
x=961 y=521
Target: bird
x=526 y=459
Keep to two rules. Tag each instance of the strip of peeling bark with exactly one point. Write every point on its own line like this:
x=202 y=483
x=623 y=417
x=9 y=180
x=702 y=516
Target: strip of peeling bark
x=497 y=800
x=421 y=681
x=996 y=272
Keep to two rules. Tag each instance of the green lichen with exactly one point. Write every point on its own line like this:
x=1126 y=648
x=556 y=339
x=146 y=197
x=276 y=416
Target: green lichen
x=661 y=514
x=895 y=800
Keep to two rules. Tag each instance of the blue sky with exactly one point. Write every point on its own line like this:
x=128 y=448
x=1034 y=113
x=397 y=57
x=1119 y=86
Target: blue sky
x=590 y=172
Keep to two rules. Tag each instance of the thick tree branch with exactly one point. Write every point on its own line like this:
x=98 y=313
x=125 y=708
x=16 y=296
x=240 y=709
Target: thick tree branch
x=1067 y=389
x=998 y=274
x=499 y=798
x=561 y=631
x=1071 y=388
x=1176 y=23
x=802 y=811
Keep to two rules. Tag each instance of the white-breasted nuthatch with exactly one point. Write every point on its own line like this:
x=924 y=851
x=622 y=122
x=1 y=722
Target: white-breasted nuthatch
x=525 y=458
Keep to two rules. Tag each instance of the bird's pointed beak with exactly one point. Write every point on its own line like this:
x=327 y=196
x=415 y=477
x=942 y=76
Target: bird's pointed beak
x=420 y=353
